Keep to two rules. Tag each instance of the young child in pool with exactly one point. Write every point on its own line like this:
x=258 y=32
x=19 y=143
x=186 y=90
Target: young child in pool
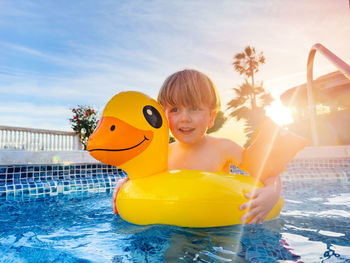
x=191 y=101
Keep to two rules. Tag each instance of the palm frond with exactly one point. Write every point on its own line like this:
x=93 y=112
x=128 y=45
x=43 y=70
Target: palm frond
x=249 y=51
x=237 y=102
x=266 y=99
x=241 y=113
x=239 y=56
x=261 y=58
x=246 y=88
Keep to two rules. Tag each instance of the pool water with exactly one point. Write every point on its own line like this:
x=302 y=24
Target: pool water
x=313 y=227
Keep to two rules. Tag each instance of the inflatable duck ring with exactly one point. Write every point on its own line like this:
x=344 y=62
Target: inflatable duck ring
x=133 y=134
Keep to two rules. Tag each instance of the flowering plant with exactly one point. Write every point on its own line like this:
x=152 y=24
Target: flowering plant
x=84 y=122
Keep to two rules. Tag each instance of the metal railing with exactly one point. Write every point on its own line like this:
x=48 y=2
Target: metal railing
x=38 y=139
x=338 y=63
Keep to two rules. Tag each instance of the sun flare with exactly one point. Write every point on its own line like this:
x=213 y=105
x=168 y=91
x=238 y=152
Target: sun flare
x=279 y=113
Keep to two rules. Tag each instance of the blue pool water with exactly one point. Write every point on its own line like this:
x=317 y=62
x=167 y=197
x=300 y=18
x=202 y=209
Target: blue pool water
x=313 y=227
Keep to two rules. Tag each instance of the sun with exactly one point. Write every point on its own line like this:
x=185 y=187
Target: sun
x=279 y=113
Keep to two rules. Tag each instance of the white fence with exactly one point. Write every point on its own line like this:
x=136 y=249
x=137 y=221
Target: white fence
x=38 y=139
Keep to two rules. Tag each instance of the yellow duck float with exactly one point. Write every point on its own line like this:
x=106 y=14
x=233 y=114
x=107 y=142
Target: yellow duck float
x=133 y=134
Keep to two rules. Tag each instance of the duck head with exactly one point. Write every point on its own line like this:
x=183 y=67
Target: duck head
x=132 y=134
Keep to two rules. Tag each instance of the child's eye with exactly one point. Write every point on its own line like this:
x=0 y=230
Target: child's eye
x=174 y=110
x=195 y=108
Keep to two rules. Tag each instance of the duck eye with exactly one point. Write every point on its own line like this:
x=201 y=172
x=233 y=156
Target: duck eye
x=112 y=127
x=152 y=116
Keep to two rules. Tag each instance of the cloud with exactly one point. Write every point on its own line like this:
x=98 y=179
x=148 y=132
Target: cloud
x=34 y=116
x=86 y=53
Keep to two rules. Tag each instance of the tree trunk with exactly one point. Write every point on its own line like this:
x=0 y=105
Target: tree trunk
x=253 y=88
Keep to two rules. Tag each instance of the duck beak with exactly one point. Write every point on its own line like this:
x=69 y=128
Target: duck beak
x=115 y=142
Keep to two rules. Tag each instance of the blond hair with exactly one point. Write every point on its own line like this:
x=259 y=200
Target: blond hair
x=189 y=87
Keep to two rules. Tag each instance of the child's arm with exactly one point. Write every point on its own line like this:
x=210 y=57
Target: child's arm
x=262 y=201
x=117 y=187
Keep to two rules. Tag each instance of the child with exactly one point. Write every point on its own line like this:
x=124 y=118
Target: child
x=190 y=101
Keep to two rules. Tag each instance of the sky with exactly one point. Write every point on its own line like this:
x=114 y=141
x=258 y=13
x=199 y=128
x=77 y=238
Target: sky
x=55 y=55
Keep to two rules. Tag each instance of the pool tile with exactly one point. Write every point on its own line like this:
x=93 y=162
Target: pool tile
x=41 y=180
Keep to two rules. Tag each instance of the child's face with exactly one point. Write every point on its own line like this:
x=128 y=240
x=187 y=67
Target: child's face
x=189 y=124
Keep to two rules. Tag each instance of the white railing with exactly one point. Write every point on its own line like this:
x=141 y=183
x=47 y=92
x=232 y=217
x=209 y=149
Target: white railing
x=338 y=63
x=38 y=139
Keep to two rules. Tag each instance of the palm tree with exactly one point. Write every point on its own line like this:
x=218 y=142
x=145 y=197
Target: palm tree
x=247 y=63
x=251 y=98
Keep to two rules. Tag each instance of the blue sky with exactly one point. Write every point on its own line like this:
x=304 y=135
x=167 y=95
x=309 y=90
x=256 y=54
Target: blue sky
x=55 y=55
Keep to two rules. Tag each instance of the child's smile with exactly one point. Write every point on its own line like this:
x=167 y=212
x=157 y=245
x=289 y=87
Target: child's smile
x=186 y=130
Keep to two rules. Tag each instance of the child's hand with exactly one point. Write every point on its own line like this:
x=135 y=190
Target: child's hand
x=117 y=187
x=261 y=203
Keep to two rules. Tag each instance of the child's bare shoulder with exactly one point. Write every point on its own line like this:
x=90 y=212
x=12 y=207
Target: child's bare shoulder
x=229 y=148
x=224 y=143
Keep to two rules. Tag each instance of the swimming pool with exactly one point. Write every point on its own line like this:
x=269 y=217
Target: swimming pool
x=79 y=225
